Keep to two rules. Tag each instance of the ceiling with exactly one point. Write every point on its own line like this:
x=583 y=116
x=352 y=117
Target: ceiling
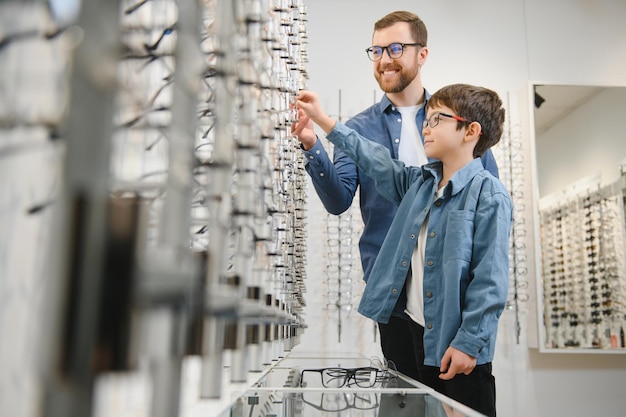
x=559 y=101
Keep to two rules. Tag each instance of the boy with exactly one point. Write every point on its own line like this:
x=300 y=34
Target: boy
x=449 y=239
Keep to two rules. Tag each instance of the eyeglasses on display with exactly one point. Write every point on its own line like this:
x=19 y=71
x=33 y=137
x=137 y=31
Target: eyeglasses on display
x=365 y=377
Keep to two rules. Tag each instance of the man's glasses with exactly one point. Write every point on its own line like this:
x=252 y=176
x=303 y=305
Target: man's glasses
x=394 y=50
x=433 y=120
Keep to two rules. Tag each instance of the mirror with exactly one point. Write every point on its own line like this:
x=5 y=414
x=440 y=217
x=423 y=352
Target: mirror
x=580 y=160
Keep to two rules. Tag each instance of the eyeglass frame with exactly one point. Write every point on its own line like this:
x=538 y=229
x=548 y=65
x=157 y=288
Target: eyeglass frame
x=370 y=50
x=350 y=374
x=426 y=123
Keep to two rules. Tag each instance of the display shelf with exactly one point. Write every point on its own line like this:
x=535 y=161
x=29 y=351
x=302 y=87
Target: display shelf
x=278 y=392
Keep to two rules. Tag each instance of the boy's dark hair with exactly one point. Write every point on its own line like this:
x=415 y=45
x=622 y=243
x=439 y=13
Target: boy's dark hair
x=418 y=28
x=476 y=104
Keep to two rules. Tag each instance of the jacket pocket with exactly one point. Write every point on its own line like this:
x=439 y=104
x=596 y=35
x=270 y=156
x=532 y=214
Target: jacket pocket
x=459 y=236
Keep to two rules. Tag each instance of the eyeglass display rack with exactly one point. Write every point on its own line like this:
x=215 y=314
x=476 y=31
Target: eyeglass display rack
x=509 y=154
x=178 y=205
x=340 y=267
x=279 y=391
x=584 y=267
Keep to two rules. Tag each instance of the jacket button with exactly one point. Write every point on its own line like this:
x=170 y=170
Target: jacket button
x=412 y=235
x=429 y=326
x=438 y=203
x=430 y=263
x=404 y=263
x=433 y=234
x=394 y=291
x=429 y=294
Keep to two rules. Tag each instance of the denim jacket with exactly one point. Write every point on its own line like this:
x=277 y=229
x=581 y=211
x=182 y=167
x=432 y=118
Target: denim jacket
x=466 y=263
x=336 y=184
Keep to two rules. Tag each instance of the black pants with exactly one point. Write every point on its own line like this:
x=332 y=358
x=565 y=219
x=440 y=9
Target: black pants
x=397 y=345
x=476 y=390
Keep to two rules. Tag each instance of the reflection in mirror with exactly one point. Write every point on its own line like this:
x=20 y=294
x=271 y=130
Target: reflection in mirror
x=581 y=175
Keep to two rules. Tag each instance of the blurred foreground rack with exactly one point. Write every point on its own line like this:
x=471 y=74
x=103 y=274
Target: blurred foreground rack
x=151 y=142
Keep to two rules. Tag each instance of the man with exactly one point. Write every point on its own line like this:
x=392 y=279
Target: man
x=398 y=53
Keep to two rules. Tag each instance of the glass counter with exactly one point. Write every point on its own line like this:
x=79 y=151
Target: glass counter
x=285 y=391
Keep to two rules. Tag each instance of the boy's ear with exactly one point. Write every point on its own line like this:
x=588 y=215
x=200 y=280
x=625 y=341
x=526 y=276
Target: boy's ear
x=473 y=131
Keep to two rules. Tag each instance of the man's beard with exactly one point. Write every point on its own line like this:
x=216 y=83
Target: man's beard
x=399 y=84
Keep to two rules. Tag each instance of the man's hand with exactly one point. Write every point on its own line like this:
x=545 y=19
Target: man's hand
x=309 y=103
x=456 y=362
x=303 y=129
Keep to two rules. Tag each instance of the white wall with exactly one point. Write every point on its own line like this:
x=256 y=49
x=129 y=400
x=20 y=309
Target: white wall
x=504 y=45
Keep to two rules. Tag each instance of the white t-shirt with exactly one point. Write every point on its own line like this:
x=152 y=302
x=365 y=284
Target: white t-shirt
x=411 y=148
x=415 y=284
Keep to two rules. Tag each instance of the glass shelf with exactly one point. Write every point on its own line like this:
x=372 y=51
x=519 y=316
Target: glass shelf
x=278 y=393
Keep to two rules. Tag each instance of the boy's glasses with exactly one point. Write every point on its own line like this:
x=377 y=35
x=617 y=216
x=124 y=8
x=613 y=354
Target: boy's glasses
x=394 y=50
x=433 y=120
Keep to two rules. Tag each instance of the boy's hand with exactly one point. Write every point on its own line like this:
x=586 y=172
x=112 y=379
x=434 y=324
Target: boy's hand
x=309 y=103
x=456 y=362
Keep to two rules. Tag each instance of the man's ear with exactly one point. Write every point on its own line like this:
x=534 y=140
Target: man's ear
x=422 y=55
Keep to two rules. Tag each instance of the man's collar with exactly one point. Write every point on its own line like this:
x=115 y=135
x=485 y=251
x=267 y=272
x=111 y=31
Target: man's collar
x=386 y=104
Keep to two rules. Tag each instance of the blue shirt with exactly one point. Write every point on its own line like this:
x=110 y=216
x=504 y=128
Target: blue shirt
x=466 y=262
x=336 y=184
